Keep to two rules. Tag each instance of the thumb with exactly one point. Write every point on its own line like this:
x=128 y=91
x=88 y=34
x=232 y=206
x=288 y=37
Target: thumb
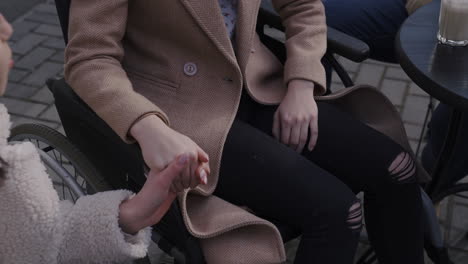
x=175 y=168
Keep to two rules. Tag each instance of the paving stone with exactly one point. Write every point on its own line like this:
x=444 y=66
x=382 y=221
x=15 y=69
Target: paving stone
x=414 y=145
x=415 y=109
x=20 y=91
x=51 y=114
x=17 y=75
x=46 y=8
x=44 y=72
x=381 y=63
x=27 y=43
x=58 y=57
x=394 y=90
x=336 y=86
x=22 y=28
x=416 y=90
x=413 y=131
x=370 y=74
x=336 y=79
x=350 y=66
x=44 y=18
x=54 y=43
x=397 y=73
x=23 y=108
x=43 y=95
x=33 y=59
x=49 y=30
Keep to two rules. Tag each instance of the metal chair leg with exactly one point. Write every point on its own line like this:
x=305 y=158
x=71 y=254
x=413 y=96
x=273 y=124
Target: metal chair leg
x=429 y=111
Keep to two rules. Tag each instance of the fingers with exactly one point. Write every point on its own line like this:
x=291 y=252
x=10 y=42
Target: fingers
x=175 y=168
x=190 y=172
x=303 y=137
x=203 y=173
x=285 y=127
x=295 y=136
x=195 y=173
x=276 y=126
x=313 y=125
x=5 y=29
x=202 y=155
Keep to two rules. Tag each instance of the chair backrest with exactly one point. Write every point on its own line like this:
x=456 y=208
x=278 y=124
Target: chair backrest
x=63 y=11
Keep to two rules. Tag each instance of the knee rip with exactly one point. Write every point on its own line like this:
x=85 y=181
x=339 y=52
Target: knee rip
x=354 y=220
x=403 y=168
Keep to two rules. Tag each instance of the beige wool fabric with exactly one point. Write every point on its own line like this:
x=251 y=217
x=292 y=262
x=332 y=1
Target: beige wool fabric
x=174 y=58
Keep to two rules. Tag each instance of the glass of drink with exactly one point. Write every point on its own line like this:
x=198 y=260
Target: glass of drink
x=453 y=22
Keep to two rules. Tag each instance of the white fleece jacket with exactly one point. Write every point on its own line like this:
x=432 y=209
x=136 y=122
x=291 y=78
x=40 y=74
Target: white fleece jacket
x=36 y=227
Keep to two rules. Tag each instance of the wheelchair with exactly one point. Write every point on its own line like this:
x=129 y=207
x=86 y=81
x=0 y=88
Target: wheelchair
x=117 y=165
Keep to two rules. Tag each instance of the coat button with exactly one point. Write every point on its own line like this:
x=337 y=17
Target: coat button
x=252 y=50
x=190 y=69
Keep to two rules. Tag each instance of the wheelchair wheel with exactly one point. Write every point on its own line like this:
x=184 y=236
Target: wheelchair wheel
x=452 y=207
x=62 y=153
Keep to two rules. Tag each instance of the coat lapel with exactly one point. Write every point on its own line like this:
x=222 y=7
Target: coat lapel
x=207 y=14
x=247 y=11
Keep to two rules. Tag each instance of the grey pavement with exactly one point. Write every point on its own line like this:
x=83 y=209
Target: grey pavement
x=38 y=52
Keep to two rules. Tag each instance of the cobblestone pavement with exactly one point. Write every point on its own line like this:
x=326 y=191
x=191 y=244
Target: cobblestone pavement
x=38 y=53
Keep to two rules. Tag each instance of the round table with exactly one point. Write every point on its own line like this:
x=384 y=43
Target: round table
x=441 y=71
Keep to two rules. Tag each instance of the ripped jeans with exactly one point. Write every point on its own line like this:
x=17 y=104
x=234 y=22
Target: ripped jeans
x=315 y=192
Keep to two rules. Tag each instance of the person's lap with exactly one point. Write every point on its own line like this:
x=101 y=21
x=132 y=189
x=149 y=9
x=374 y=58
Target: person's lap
x=347 y=156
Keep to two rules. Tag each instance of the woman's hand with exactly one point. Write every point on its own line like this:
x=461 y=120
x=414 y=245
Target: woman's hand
x=296 y=116
x=160 y=145
x=152 y=202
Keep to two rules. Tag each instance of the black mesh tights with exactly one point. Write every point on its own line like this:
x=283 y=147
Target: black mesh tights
x=315 y=191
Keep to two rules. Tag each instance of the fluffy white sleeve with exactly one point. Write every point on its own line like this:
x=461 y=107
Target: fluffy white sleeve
x=91 y=233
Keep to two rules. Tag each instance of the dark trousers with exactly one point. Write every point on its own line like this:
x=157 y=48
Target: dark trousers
x=376 y=22
x=315 y=191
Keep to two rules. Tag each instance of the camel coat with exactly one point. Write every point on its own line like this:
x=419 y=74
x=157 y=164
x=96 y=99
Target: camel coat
x=173 y=58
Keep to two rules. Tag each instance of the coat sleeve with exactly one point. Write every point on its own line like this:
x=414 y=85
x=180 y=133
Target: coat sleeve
x=93 y=64
x=306 y=40
x=91 y=232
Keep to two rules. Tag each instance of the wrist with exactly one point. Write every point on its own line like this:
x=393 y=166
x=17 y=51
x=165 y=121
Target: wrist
x=128 y=217
x=298 y=84
x=143 y=125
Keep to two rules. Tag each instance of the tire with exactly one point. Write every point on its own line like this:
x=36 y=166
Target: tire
x=60 y=143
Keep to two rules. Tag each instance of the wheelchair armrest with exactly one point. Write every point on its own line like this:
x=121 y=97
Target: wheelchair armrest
x=337 y=41
x=346 y=45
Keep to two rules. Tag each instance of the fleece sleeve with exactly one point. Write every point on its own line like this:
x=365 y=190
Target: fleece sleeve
x=91 y=231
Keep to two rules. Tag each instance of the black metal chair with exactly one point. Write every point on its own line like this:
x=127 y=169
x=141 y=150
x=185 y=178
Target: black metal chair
x=122 y=164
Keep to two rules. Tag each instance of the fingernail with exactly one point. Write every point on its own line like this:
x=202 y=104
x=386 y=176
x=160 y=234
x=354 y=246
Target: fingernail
x=12 y=63
x=183 y=159
x=204 y=177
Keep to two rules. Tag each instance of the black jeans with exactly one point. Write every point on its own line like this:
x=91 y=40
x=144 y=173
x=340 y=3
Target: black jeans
x=315 y=191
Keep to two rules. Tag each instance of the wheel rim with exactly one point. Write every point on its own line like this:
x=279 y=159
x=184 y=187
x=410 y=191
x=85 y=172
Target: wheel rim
x=63 y=190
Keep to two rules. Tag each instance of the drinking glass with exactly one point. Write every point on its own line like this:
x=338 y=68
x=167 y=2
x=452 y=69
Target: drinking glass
x=453 y=22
